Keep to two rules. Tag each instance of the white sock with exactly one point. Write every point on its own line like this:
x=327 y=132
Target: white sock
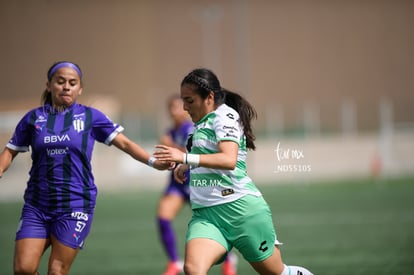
x=295 y=270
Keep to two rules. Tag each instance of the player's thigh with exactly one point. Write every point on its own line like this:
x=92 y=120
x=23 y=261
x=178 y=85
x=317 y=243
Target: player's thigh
x=205 y=242
x=271 y=265
x=201 y=254
x=61 y=257
x=27 y=254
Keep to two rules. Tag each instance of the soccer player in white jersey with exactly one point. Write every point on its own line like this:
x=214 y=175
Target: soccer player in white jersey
x=228 y=209
x=177 y=195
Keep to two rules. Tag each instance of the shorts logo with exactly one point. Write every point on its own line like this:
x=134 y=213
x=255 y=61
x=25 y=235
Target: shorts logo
x=76 y=237
x=263 y=247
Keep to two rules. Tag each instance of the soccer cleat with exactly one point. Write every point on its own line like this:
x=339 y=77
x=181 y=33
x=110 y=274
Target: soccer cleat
x=229 y=267
x=173 y=268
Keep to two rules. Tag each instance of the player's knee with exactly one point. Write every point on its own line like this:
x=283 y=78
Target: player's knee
x=56 y=269
x=21 y=268
x=188 y=268
x=193 y=269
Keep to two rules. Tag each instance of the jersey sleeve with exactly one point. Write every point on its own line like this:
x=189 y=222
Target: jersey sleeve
x=103 y=129
x=22 y=135
x=227 y=126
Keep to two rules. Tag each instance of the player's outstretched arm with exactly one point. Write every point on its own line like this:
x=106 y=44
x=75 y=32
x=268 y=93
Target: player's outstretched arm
x=6 y=158
x=226 y=158
x=123 y=143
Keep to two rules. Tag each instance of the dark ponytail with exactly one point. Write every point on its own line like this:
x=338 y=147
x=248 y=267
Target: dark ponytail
x=46 y=98
x=206 y=82
x=246 y=112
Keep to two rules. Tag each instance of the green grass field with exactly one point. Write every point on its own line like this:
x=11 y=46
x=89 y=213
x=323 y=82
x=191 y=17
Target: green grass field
x=354 y=227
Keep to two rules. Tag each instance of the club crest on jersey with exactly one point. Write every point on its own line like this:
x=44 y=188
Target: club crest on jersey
x=78 y=124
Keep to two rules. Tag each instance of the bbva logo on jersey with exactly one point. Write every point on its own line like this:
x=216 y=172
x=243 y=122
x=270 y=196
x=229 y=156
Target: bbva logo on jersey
x=78 y=125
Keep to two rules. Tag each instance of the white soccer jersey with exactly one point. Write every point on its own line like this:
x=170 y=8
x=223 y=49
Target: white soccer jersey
x=215 y=186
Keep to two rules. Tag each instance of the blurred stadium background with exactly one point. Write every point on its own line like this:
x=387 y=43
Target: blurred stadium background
x=332 y=81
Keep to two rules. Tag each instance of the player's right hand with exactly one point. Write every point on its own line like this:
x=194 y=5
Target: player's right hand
x=179 y=173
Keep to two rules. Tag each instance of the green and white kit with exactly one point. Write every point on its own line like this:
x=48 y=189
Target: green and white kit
x=209 y=186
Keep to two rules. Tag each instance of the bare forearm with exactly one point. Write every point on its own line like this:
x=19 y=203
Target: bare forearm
x=131 y=148
x=6 y=158
x=139 y=153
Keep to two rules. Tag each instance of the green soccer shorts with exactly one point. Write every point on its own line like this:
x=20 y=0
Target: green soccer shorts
x=245 y=224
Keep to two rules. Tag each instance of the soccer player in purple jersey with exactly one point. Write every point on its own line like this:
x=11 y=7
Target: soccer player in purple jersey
x=176 y=195
x=61 y=194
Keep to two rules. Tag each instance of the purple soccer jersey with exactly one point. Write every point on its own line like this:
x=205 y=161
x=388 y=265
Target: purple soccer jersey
x=180 y=136
x=61 y=177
